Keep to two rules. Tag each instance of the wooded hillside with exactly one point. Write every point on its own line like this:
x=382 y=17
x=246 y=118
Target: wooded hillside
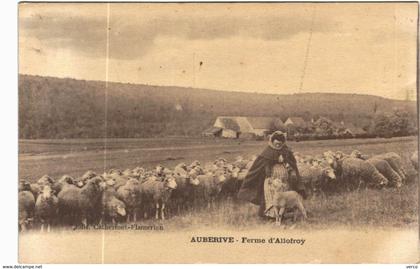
x=68 y=108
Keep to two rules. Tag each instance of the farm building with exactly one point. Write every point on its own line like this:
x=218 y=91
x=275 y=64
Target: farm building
x=212 y=132
x=261 y=126
x=296 y=121
x=232 y=127
x=243 y=127
x=352 y=130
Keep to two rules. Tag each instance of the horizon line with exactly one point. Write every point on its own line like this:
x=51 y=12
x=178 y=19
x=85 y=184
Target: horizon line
x=217 y=90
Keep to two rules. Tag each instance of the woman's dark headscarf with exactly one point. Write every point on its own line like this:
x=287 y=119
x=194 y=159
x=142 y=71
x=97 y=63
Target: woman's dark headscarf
x=252 y=187
x=280 y=136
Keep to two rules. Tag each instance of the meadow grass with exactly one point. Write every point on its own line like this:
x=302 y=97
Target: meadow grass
x=388 y=207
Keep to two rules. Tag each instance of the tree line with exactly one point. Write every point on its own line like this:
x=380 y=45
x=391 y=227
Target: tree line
x=56 y=108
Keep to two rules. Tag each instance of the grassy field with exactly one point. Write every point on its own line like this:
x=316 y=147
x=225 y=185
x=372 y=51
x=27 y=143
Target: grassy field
x=76 y=156
x=365 y=208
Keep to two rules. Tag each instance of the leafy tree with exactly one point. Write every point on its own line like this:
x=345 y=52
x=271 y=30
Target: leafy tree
x=382 y=125
x=400 y=123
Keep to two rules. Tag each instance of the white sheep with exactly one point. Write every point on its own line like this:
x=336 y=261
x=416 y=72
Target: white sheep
x=278 y=181
x=395 y=162
x=355 y=171
x=386 y=170
x=288 y=200
x=318 y=177
x=46 y=207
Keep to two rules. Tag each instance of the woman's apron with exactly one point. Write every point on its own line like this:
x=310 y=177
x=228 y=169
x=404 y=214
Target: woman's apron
x=279 y=173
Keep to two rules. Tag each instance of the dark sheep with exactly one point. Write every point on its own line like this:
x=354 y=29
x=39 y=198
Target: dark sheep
x=80 y=203
x=26 y=203
x=129 y=193
x=157 y=193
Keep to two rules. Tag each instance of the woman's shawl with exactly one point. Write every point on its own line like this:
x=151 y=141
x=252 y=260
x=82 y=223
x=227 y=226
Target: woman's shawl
x=252 y=188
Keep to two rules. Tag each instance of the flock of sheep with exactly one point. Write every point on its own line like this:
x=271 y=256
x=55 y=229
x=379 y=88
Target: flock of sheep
x=139 y=193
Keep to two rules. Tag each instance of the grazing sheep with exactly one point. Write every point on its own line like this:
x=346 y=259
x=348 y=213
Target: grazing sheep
x=395 y=162
x=46 y=207
x=317 y=178
x=415 y=160
x=112 y=207
x=26 y=209
x=305 y=171
x=353 y=172
x=158 y=192
x=323 y=180
x=386 y=170
x=80 y=203
x=129 y=193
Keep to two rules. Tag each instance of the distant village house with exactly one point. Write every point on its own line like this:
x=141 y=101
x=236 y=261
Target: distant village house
x=295 y=121
x=243 y=127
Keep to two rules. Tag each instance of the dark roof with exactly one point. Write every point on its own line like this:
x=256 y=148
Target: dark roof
x=261 y=122
x=231 y=124
x=212 y=130
x=279 y=125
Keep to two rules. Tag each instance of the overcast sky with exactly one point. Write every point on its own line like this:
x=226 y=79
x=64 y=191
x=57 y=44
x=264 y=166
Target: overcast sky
x=270 y=48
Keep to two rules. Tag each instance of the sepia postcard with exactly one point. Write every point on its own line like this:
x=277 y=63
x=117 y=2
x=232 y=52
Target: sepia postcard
x=218 y=132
